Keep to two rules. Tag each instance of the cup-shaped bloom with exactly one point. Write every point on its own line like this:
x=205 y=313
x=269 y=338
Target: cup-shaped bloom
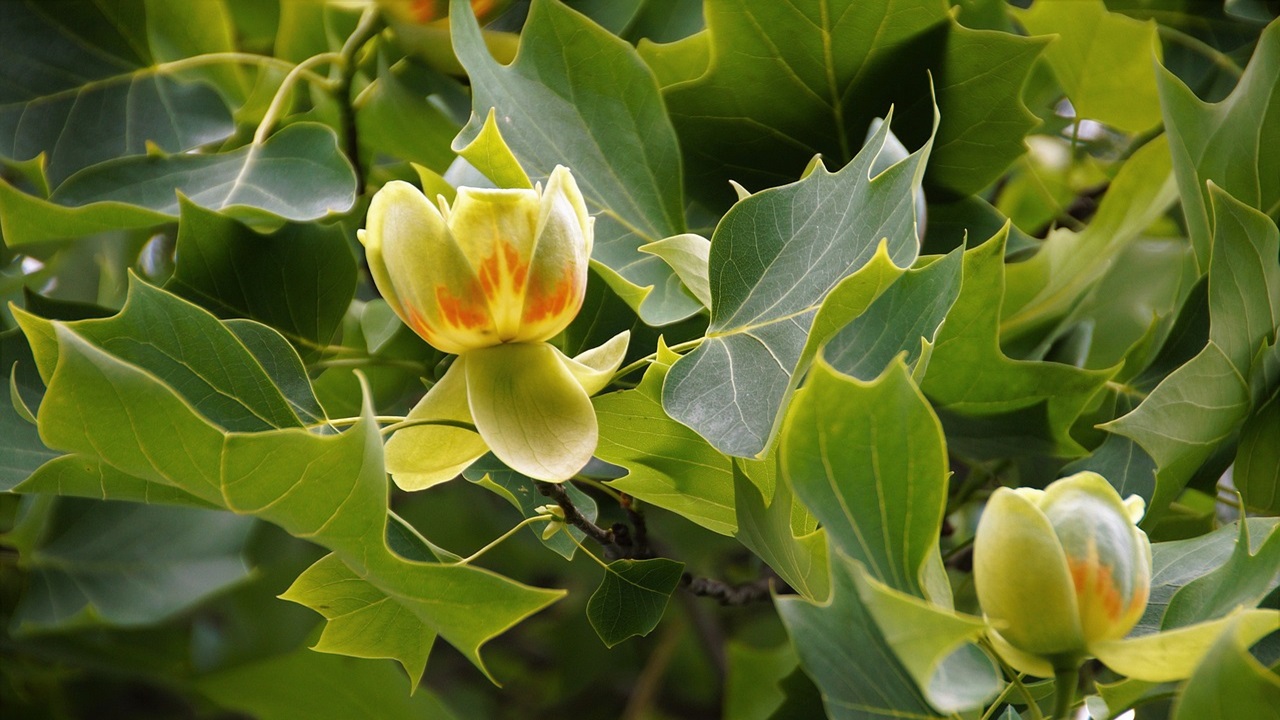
x=1059 y=569
x=499 y=266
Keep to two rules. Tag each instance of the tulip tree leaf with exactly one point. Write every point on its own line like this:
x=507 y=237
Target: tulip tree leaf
x=297 y=174
x=1257 y=467
x=489 y=473
x=1102 y=60
x=787 y=81
x=842 y=648
x=321 y=687
x=299 y=279
x=1248 y=574
x=768 y=530
x=880 y=489
x=970 y=378
x=776 y=258
x=668 y=465
x=127 y=564
x=632 y=597
x=89 y=477
x=1203 y=403
x=573 y=81
x=1206 y=140
x=69 y=85
x=131 y=393
x=1178 y=563
x=1228 y=670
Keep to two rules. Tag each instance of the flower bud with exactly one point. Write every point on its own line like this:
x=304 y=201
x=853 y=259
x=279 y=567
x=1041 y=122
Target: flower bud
x=1059 y=569
x=500 y=266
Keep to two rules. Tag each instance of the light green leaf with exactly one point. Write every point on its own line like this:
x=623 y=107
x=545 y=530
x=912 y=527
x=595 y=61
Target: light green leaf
x=573 y=76
x=911 y=310
x=299 y=279
x=320 y=687
x=632 y=597
x=1051 y=283
x=668 y=465
x=1229 y=671
x=688 y=255
x=971 y=379
x=1174 y=654
x=84 y=91
x=1244 y=280
x=1102 y=60
x=89 y=477
x=842 y=648
x=127 y=564
x=775 y=259
x=799 y=556
x=753 y=687
x=869 y=460
x=111 y=398
x=395 y=116
x=785 y=82
x=1206 y=140
x=934 y=643
x=530 y=410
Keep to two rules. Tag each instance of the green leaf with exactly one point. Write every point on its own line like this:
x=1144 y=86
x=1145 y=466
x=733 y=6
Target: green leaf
x=935 y=644
x=970 y=377
x=21 y=450
x=1102 y=60
x=1052 y=282
x=1206 y=140
x=127 y=390
x=632 y=597
x=83 y=92
x=127 y=564
x=668 y=465
x=688 y=255
x=785 y=82
x=489 y=473
x=305 y=684
x=776 y=257
x=1229 y=671
x=296 y=174
x=1176 y=564
x=88 y=477
x=753 y=685
x=1202 y=403
x=396 y=117
x=299 y=279
x=798 y=555
x=869 y=460
x=1257 y=467
x=844 y=651
x=909 y=312
x=573 y=81
x=1246 y=577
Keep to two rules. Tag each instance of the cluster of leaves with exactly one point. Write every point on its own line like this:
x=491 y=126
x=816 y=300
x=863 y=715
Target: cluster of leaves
x=971 y=245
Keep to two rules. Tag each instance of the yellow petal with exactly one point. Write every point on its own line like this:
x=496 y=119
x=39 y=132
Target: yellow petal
x=559 y=260
x=594 y=368
x=421 y=456
x=495 y=231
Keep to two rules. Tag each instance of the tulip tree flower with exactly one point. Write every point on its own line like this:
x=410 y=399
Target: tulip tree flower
x=492 y=279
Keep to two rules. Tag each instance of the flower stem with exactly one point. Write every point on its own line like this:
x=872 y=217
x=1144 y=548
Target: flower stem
x=498 y=541
x=644 y=361
x=1064 y=684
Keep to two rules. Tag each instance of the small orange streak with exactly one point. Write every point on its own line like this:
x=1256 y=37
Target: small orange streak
x=1094 y=580
x=423 y=11
x=552 y=303
x=459 y=312
x=419 y=324
x=505 y=261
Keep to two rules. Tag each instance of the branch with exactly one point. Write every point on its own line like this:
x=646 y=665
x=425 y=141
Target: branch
x=727 y=594
x=575 y=518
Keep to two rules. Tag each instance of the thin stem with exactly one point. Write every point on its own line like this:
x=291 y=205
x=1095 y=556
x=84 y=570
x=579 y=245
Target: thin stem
x=498 y=540
x=995 y=704
x=589 y=554
x=219 y=58
x=573 y=516
x=644 y=361
x=283 y=92
x=602 y=487
x=343 y=422
x=1064 y=688
x=414 y=422
x=1216 y=56
x=365 y=30
x=1016 y=679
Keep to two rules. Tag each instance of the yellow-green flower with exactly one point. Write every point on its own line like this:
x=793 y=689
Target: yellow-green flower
x=492 y=278
x=1060 y=570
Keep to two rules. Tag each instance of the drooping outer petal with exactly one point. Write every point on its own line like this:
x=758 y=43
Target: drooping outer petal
x=594 y=368
x=559 y=262
x=423 y=273
x=421 y=456
x=1109 y=557
x=495 y=231
x=530 y=410
x=1022 y=578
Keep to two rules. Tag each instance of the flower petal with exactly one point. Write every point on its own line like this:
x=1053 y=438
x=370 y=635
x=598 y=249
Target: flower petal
x=594 y=368
x=530 y=410
x=1173 y=654
x=495 y=230
x=421 y=456
x=422 y=272
x=1022 y=578
x=558 y=261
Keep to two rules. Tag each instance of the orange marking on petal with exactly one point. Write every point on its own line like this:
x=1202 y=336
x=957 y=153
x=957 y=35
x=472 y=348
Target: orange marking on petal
x=504 y=262
x=424 y=11
x=1092 y=580
x=419 y=324
x=550 y=304
x=460 y=312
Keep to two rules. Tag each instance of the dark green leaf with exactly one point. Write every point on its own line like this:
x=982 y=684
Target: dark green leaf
x=489 y=473
x=632 y=597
